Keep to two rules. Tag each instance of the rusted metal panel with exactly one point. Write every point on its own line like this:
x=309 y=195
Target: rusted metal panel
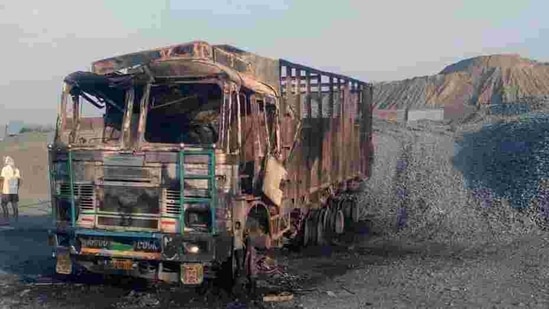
x=336 y=144
x=300 y=146
x=288 y=129
x=320 y=168
x=355 y=166
x=274 y=173
x=340 y=142
x=345 y=140
x=301 y=154
x=308 y=161
x=321 y=143
x=196 y=50
x=334 y=108
x=263 y=69
x=200 y=59
x=326 y=139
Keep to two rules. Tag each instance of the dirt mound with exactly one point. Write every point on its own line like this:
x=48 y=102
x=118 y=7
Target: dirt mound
x=485 y=80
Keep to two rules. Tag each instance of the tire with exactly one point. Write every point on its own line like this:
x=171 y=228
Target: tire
x=346 y=207
x=319 y=227
x=307 y=232
x=326 y=219
x=313 y=225
x=339 y=224
x=355 y=211
x=226 y=275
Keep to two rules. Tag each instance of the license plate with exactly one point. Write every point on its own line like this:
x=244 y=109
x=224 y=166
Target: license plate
x=192 y=274
x=64 y=263
x=122 y=264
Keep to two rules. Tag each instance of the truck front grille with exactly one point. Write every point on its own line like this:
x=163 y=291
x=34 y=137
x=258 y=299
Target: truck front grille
x=83 y=193
x=130 y=200
x=170 y=201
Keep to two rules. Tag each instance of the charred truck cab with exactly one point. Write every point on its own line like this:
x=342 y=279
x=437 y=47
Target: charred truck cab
x=179 y=164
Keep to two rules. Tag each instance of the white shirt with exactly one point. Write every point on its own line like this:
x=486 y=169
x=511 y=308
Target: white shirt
x=11 y=177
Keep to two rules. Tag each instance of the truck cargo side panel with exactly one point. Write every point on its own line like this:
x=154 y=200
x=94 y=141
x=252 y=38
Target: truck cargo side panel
x=334 y=142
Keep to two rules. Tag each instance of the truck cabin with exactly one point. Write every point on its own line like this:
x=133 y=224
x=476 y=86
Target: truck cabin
x=165 y=105
x=128 y=112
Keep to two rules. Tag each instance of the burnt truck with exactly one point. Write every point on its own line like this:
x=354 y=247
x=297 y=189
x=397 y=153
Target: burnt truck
x=181 y=164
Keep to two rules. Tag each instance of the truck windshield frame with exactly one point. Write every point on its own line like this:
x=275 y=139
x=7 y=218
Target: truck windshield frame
x=108 y=95
x=182 y=112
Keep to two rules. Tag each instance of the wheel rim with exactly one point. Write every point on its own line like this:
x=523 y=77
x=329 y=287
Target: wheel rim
x=339 y=222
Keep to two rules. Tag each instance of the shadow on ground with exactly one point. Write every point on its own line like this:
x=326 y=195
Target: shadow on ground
x=24 y=249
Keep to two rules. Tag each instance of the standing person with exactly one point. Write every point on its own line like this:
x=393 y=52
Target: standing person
x=10 y=180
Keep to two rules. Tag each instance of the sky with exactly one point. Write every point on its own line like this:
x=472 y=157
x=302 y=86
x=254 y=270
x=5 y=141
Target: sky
x=373 y=40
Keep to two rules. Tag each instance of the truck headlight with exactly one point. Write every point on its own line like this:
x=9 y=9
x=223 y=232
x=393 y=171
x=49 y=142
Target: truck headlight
x=191 y=248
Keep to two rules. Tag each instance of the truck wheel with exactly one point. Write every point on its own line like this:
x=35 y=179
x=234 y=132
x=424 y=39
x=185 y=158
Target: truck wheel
x=311 y=226
x=355 y=210
x=339 y=225
x=319 y=227
x=326 y=219
x=307 y=231
x=347 y=209
x=227 y=274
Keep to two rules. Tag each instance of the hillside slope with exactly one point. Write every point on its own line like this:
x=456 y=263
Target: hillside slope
x=478 y=81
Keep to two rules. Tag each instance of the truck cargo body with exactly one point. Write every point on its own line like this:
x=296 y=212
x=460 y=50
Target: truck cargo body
x=195 y=154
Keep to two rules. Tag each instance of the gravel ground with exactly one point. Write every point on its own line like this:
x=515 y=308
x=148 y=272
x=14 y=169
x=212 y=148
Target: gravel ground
x=447 y=251
x=451 y=251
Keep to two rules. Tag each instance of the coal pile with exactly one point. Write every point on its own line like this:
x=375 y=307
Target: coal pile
x=459 y=183
x=506 y=160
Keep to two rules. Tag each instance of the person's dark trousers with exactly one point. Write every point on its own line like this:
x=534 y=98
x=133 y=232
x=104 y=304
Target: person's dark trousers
x=13 y=199
x=5 y=214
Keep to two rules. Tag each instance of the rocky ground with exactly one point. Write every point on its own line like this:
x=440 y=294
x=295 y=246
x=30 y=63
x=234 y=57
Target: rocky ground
x=448 y=252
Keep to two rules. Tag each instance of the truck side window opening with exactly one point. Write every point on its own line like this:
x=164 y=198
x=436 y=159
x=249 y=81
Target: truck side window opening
x=247 y=154
x=183 y=113
x=261 y=130
x=135 y=114
x=266 y=116
x=233 y=140
x=94 y=107
x=270 y=110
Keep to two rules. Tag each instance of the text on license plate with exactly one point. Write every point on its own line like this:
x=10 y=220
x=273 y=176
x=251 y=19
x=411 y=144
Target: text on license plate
x=192 y=274
x=122 y=264
x=64 y=264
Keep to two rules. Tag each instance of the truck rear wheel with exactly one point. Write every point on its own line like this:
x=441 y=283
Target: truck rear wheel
x=307 y=232
x=339 y=224
x=355 y=210
x=319 y=227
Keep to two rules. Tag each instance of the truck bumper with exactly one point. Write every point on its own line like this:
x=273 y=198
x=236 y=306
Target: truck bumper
x=185 y=259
